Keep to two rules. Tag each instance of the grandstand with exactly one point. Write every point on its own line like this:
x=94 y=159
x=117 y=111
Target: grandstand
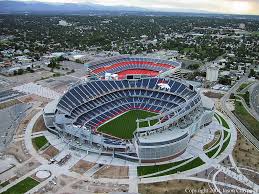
x=126 y=66
x=172 y=111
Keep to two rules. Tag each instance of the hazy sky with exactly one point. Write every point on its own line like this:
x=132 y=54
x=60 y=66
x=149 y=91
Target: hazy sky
x=223 y=6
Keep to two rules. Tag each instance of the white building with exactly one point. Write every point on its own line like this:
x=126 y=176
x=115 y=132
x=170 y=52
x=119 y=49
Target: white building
x=212 y=73
x=242 y=26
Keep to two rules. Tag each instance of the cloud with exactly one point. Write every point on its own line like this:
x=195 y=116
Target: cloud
x=222 y=6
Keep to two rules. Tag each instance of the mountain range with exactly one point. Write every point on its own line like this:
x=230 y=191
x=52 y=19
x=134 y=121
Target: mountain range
x=14 y=7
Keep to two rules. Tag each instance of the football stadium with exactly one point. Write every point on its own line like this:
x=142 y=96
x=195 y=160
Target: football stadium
x=132 y=108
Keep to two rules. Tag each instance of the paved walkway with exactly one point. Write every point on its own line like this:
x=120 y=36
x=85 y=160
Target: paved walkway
x=196 y=149
x=32 y=88
x=133 y=179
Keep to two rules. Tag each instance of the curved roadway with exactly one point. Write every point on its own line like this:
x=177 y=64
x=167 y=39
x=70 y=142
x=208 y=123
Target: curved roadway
x=242 y=128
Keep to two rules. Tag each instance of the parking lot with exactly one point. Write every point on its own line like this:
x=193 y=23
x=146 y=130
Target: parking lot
x=9 y=94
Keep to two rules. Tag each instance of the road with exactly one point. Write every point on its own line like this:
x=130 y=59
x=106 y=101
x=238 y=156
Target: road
x=242 y=128
x=251 y=111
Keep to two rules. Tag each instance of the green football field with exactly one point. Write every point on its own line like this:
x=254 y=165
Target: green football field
x=124 y=125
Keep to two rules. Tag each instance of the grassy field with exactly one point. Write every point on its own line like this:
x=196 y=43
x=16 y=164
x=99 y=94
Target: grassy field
x=246 y=98
x=124 y=125
x=243 y=86
x=212 y=152
x=216 y=116
x=224 y=146
x=145 y=170
x=22 y=187
x=249 y=121
x=224 y=123
x=188 y=166
x=39 y=142
x=214 y=142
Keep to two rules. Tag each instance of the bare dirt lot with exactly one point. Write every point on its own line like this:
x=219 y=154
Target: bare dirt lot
x=39 y=125
x=23 y=124
x=60 y=181
x=82 y=166
x=245 y=154
x=96 y=187
x=30 y=77
x=213 y=95
x=37 y=101
x=50 y=152
x=17 y=149
x=112 y=172
x=174 y=187
x=27 y=167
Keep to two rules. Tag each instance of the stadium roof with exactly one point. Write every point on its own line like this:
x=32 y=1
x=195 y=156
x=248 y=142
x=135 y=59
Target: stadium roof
x=165 y=136
x=51 y=107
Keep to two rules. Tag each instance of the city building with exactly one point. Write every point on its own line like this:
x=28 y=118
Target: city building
x=212 y=73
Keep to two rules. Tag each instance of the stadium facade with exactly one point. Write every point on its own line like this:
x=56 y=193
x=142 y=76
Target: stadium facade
x=134 y=83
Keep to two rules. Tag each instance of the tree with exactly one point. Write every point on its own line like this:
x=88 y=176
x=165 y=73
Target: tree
x=54 y=64
x=252 y=73
x=225 y=80
x=193 y=66
x=20 y=71
x=232 y=96
x=78 y=61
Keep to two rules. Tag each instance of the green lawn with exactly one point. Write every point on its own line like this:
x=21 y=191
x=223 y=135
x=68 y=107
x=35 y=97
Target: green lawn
x=212 y=152
x=22 y=187
x=224 y=123
x=243 y=86
x=192 y=164
x=224 y=146
x=39 y=142
x=210 y=145
x=124 y=125
x=249 y=121
x=246 y=98
x=225 y=134
x=145 y=170
x=216 y=116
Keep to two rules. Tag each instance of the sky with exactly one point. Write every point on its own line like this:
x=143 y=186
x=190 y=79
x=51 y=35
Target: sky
x=221 y=6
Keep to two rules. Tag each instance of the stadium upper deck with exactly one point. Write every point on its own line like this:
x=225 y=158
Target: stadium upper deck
x=126 y=65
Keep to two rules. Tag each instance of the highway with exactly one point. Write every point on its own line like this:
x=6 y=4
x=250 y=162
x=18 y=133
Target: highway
x=242 y=128
x=251 y=110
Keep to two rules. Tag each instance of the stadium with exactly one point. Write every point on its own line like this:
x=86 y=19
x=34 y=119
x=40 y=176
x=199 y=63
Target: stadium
x=131 y=108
